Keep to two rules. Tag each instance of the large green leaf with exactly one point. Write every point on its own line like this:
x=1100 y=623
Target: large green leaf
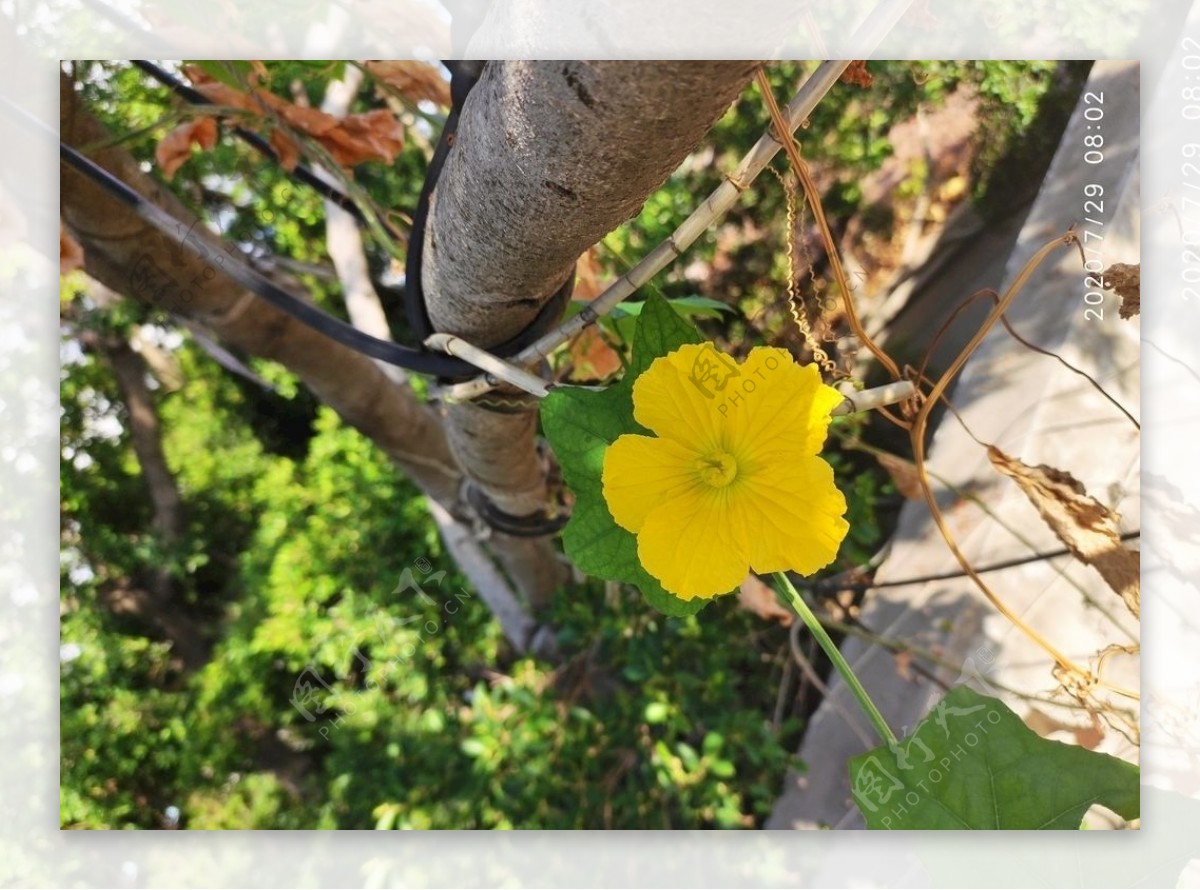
x=972 y=763
x=581 y=424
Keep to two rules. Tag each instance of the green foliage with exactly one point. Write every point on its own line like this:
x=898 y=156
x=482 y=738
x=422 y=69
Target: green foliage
x=629 y=735
x=580 y=425
x=971 y=763
x=124 y=730
x=1028 y=104
x=427 y=720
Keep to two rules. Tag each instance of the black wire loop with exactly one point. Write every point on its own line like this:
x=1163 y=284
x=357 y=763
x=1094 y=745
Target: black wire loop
x=464 y=76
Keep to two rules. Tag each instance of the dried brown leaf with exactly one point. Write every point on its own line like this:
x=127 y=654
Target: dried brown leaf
x=1126 y=281
x=305 y=118
x=285 y=149
x=591 y=357
x=370 y=136
x=1088 y=528
x=1044 y=725
x=70 y=253
x=587 y=277
x=856 y=74
x=373 y=136
x=760 y=599
x=904 y=474
x=219 y=93
x=416 y=80
x=176 y=146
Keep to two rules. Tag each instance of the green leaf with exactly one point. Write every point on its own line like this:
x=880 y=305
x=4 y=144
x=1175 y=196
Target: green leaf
x=687 y=307
x=972 y=763
x=723 y=769
x=581 y=424
x=657 y=712
x=473 y=747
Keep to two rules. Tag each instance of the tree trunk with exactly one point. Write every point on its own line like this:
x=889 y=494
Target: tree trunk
x=158 y=606
x=343 y=240
x=549 y=157
x=146 y=435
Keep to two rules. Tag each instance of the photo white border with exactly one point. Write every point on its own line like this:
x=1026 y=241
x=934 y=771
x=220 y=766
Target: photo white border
x=33 y=852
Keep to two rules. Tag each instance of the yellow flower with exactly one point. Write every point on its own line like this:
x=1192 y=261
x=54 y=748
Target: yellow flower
x=734 y=480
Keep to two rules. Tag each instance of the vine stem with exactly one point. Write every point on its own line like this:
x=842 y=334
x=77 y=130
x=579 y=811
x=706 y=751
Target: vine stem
x=835 y=655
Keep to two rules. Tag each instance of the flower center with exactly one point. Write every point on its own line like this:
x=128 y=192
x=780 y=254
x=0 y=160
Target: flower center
x=718 y=469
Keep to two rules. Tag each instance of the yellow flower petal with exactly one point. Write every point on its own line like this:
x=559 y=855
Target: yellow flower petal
x=785 y=400
x=640 y=473
x=676 y=397
x=795 y=514
x=691 y=545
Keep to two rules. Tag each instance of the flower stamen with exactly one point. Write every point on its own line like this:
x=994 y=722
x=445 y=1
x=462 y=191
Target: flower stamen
x=718 y=469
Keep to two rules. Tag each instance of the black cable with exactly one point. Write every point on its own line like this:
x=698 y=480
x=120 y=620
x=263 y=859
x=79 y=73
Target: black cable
x=302 y=173
x=831 y=584
x=421 y=362
x=464 y=75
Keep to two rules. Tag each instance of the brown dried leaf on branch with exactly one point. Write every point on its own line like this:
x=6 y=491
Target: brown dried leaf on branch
x=370 y=136
x=857 y=74
x=176 y=146
x=1086 y=526
x=588 y=285
x=759 y=598
x=1045 y=725
x=591 y=357
x=70 y=253
x=1126 y=281
x=904 y=474
x=416 y=80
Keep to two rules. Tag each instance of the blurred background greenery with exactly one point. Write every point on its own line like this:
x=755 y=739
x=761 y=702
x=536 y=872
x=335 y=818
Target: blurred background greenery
x=299 y=533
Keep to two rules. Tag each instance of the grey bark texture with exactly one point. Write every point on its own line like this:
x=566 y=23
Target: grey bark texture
x=536 y=573
x=549 y=157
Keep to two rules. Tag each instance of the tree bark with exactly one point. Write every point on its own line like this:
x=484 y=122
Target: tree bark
x=146 y=435
x=535 y=573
